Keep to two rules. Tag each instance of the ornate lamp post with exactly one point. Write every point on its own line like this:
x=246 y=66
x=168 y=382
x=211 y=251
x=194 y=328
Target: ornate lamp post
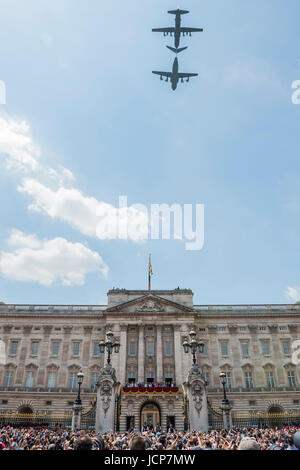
x=110 y=345
x=79 y=382
x=193 y=346
x=226 y=406
x=223 y=381
x=77 y=406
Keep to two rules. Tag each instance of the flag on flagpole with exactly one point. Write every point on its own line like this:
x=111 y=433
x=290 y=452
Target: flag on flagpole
x=150 y=272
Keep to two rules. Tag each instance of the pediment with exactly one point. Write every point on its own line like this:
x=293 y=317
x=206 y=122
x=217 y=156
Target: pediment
x=149 y=303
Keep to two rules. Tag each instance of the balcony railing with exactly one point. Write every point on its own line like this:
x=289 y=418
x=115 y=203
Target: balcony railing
x=150 y=390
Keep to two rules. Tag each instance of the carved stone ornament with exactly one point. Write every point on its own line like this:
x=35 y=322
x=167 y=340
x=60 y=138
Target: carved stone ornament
x=197 y=393
x=195 y=373
x=105 y=394
x=107 y=372
x=130 y=405
x=150 y=306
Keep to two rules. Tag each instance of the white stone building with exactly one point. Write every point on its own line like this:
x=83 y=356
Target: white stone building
x=47 y=345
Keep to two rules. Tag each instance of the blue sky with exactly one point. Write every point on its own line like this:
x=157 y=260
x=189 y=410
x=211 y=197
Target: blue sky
x=81 y=101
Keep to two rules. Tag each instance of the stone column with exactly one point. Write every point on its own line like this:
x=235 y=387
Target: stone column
x=197 y=400
x=76 y=417
x=106 y=400
x=178 y=350
x=159 y=354
x=123 y=354
x=227 y=417
x=141 y=355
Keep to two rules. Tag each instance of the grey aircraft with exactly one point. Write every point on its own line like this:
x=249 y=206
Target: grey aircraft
x=178 y=30
x=175 y=76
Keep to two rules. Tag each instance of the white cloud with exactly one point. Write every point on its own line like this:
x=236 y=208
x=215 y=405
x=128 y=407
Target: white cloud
x=17 y=147
x=48 y=261
x=293 y=294
x=90 y=216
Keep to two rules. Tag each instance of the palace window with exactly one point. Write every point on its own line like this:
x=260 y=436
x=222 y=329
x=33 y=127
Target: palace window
x=34 y=348
x=131 y=377
x=270 y=379
x=245 y=349
x=94 y=379
x=13 y=348
x=132 y=348
x=292 y=378
x=29 y=379
x=55 y=348
x=51 y=379
x=150 y=348
x=224 y=349
x=73 y=380
x=228 y=380
x=168 y=348
x=76 y=349
x=96 y=350
x=265 y=346
x=249 y=380
x=204 y=353
x=8 y=378
x=286 y=347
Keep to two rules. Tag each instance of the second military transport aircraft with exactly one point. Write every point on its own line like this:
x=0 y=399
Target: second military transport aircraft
x=178 y=30
x=175 y=76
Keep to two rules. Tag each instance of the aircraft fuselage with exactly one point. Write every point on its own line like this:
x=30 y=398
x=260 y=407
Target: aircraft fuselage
x=174 y=77
x=177 y=29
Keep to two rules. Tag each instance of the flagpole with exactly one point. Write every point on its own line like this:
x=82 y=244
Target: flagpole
x=149 y=276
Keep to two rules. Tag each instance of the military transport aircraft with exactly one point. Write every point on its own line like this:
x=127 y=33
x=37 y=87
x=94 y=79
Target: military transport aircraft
x=174 y=76
x=178 y=30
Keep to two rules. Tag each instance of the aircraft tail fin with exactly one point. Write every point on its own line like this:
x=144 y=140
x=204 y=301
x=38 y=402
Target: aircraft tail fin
x=173 y=49
x=181 y=12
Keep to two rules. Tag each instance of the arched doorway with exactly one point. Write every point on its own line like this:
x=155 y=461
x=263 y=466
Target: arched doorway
x=150 y=415
x=275 y=409
x=25 y=409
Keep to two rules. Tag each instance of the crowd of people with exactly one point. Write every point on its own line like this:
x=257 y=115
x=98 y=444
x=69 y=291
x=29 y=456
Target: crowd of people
x=41 y=438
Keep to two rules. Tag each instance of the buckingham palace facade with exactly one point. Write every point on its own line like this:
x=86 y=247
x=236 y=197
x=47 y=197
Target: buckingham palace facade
x=47 y=345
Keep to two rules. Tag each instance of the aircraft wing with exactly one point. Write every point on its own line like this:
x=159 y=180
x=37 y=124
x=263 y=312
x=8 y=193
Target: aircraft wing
x=187 y=75
x=163 y=74
x=164 y=30
x=191 y=30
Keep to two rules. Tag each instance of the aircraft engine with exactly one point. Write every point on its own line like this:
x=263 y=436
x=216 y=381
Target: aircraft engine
x=182 y=80
x=161 y=77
